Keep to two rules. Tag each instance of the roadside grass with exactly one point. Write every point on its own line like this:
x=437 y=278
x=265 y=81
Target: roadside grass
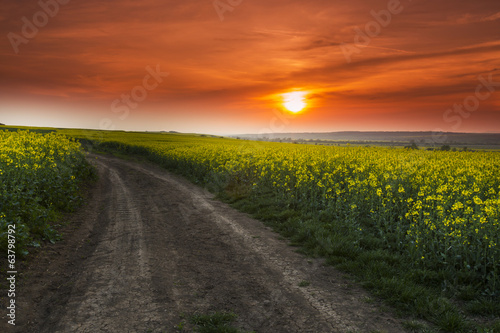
x=304 y=283
x=414 y=293
x=214 y=322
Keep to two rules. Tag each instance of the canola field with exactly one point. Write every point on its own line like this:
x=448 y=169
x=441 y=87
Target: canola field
x=419 y=228
x=40 y=176
x=439 y=209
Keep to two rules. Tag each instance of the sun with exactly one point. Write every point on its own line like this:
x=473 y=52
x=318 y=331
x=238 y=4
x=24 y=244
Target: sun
x=294 y=101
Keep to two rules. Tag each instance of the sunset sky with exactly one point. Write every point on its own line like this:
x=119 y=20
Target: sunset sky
x=361 y=65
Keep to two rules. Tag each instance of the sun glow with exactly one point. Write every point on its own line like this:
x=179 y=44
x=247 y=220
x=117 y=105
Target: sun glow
x=294 y=101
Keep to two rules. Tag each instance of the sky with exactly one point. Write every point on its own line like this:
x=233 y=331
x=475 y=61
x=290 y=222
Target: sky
x=230 y=66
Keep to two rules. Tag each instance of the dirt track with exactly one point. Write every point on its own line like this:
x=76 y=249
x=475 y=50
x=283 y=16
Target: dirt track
x=149 y=246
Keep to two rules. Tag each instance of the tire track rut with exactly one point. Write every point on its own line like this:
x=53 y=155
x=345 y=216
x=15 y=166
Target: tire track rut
x=107 y=296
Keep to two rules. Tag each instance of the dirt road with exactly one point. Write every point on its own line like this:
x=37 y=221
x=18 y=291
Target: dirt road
x=149 y=246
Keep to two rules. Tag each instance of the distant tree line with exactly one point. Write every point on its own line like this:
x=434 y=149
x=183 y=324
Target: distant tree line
x=413 y=145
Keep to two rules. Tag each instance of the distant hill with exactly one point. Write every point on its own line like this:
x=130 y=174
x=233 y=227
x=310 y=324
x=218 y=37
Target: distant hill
x=385 y=138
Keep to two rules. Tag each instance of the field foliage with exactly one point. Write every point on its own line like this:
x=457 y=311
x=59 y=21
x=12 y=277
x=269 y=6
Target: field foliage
x=40 y=176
